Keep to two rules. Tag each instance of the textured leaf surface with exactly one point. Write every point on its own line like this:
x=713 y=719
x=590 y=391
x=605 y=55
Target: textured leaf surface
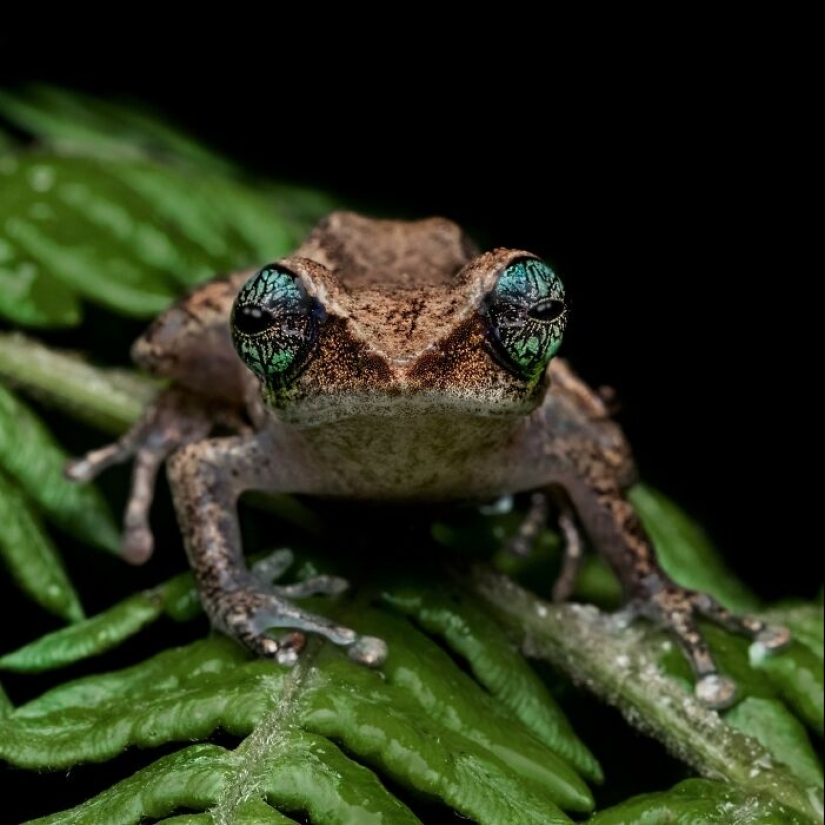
x=123 y=211
x=700 y=801
x=774 y=726
x=798 y=677
x=31 y=557
x=190 y=692
x=105 y=231
x=496 y=664
x=31 y=456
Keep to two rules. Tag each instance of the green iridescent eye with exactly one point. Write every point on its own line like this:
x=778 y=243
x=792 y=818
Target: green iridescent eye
x=275 y=324
x=527 y=315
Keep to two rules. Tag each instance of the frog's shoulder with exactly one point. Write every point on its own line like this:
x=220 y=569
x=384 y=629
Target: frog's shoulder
x=190 y=342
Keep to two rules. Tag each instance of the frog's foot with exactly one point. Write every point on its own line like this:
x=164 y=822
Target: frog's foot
x=175 y=418
x=248 y=611
x=677 y=609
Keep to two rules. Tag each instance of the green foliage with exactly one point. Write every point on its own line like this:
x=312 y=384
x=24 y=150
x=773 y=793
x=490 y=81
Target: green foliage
x=112 y=207
x=698 y=801
x=31 y=456
x=31 y=557
x=97 y=217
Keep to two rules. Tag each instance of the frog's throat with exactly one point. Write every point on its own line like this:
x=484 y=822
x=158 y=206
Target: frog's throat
x=411 y=409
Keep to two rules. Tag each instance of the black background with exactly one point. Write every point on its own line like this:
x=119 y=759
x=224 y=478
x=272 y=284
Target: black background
x=664 y=169
x=669 y=181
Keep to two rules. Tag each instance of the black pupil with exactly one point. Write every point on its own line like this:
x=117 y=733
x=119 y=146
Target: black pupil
x=252 y=320
x=546 y=311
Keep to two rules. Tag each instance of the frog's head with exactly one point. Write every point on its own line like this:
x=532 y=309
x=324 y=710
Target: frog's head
x=384 y=317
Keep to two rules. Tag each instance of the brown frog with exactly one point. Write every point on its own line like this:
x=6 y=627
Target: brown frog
x=385 y=361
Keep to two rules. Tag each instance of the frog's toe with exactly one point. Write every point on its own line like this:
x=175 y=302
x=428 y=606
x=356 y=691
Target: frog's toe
x=773 y=638
x=715 y=691
x=370 y=651
x=137 y=545
x=271 y=568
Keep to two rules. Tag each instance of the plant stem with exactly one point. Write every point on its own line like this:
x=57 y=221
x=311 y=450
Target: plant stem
x=621 y=667
x=111 y=399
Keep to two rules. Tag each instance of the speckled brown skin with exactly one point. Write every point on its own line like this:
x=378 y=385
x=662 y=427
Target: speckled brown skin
x=402 y=399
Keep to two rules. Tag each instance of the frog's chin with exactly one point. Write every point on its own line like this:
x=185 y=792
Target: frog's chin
x=320 y=409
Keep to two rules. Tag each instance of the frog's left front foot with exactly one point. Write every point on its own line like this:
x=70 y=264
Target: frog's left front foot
x=677 y=609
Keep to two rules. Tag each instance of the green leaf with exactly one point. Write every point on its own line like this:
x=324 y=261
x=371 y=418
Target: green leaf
x=31 y=297
x=496 y=664
x=126 y=234
x=775 y=727
x=698 y=801
x=6 y=707
x=187 y=693
x=31 y=456
x=451 y=698
x=94 y=636
x=31 y=557
x=797 y=674
x=87 y=638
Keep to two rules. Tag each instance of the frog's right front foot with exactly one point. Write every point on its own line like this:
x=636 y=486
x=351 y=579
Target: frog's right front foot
x=173 y=419
x=249 y=607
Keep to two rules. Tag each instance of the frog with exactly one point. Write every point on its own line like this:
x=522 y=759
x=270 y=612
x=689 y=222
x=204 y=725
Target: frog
x=391 y=362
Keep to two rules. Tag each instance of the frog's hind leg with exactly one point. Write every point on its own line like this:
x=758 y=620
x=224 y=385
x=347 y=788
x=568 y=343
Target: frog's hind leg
x=206 y=479
x=615 y=528
x=174 y=419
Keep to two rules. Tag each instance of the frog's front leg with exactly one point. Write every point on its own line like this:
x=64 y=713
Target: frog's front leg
x=206 y=479
x=614 y=527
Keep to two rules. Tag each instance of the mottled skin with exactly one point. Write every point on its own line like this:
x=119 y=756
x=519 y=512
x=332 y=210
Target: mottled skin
x=400 y=397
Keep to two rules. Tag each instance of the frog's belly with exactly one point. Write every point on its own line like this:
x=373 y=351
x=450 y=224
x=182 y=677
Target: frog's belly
x=425 y=458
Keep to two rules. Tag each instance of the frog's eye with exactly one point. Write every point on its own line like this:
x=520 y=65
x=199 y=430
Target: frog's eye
x=275 y=323
x=526 y=314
